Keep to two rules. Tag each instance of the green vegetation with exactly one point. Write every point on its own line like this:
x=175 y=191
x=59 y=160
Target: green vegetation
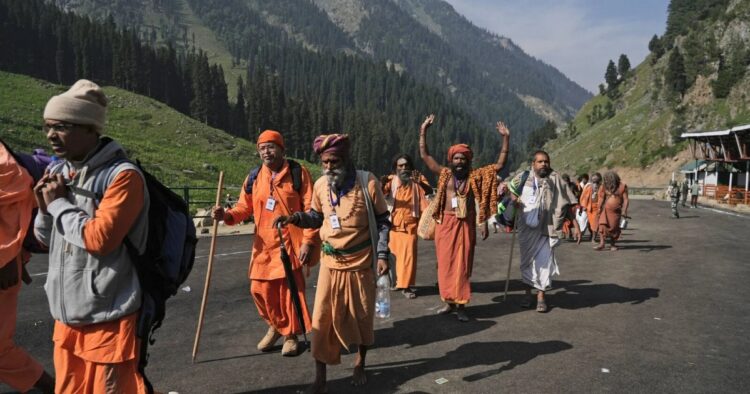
x=175 y=148
x=699 y=85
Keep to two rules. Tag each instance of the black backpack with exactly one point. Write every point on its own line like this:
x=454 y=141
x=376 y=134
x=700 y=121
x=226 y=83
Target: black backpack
x=168 y=257
x=294 y=168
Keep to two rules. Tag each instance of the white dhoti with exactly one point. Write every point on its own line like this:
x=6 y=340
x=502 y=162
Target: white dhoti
x=538 y=263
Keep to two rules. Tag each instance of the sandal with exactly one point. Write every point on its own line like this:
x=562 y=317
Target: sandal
x=598 y=247
x=613 y=248
x=409 y=293
x=541 y=306
x=526 y=302
x=462 y=316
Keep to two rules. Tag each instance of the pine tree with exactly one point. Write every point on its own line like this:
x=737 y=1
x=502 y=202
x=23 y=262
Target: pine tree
x=623 y=66
x=610 y=76
x=675 y=77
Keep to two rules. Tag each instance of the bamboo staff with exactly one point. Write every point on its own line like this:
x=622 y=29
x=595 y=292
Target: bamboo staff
x=208 y=270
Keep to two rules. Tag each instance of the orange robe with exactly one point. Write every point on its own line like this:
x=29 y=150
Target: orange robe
x=344 y=309
x=103 y=357
x=590 y=203
x=268 y=283
x=609 y=219
x=407 y=208
x=17 y=368
x=455 y=238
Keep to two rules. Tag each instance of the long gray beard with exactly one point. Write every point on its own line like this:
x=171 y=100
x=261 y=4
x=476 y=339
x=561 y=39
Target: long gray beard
x=335 y=178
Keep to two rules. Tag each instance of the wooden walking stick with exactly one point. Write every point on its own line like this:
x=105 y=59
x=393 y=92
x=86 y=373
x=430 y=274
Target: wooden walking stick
x=512 y=244
x=208 y=270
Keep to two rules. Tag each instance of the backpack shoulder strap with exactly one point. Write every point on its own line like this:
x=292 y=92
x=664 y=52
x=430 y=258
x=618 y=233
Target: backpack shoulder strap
x=251 y=177
x=105 y=177
x=296 y=170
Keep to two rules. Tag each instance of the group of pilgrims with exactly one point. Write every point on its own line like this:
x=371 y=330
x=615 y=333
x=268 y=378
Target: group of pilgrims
x=349 y=222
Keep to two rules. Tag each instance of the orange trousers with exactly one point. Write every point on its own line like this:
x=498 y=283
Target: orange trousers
x=17 y=368
x=274 y=302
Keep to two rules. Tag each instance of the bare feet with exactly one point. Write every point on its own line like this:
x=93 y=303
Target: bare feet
x=317 y=388
x=613 y=248
x=359 y=378
x=599 y=247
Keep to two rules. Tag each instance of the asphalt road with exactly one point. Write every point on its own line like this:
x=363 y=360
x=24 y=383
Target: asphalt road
x=666 y=313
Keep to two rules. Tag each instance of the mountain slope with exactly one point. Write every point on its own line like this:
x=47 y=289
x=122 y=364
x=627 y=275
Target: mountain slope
x=639 y=125
x=175 y=148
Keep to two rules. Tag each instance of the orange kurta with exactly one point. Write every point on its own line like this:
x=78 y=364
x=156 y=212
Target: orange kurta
x=17 y=368
x=403 y=236
x=590 y=202
x=103 y=357
x=268 y=284
x=345 y=298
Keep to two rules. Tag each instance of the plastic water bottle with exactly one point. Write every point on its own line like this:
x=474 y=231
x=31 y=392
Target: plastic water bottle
x=383 y=300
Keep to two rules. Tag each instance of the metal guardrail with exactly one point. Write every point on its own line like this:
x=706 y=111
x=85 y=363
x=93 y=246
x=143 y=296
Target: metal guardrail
x=186 y=190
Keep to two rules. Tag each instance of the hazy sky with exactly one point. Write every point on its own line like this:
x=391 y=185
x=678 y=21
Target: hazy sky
x=578 y=37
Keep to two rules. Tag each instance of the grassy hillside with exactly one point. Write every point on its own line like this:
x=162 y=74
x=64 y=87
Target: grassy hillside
x=172 y=146
x=642 y=124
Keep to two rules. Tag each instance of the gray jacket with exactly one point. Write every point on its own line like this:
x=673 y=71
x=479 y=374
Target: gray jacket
x=83 y=288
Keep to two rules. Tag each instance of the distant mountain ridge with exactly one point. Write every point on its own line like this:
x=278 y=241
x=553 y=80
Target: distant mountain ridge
x=486 y=74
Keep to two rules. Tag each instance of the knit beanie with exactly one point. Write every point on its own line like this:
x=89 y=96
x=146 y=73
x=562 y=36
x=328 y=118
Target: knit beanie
x=84 y=103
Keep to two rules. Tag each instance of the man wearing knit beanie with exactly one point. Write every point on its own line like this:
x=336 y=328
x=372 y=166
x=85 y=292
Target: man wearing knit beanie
x=268 y=192
x=74 y=120
x=92 y=286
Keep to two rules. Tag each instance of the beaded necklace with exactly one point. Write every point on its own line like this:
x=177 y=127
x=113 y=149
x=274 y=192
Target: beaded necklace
x=333 y=204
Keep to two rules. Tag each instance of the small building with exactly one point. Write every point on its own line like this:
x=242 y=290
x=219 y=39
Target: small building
x=722 y=164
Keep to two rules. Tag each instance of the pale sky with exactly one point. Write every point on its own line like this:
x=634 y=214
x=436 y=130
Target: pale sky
x=578 y=37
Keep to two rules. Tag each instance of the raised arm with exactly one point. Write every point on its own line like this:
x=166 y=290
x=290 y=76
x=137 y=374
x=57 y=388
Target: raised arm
x=505 y=133
x=423 y=152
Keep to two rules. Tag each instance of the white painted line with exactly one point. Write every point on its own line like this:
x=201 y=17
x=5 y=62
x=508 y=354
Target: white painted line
x=39 y=274
x=724 y=212
x=224 y=254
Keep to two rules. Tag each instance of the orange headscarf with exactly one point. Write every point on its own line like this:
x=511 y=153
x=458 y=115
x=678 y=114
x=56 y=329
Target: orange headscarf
x=460 y=148
x=271 y=136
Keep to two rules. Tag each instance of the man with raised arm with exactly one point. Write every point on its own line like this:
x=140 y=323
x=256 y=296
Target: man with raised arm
x=344 y=309
x=459 y=190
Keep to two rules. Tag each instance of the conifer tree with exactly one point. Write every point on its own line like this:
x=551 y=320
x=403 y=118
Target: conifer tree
x=623 y=66
x=610 y=76
x=675 y=77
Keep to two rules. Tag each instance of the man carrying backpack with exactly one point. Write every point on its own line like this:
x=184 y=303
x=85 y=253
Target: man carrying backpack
x=279 y=187
x=92 y=286
x=17 y=368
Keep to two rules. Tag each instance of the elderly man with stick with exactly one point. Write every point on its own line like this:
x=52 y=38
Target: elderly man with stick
x=543 y=202
x=279 y=187
x=349 y=208
x=460 y=188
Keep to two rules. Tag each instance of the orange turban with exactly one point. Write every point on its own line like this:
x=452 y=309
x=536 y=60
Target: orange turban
x=271 y=136
x=460 y=148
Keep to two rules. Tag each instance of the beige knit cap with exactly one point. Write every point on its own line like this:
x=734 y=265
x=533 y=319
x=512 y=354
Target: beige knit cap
x=84 y=103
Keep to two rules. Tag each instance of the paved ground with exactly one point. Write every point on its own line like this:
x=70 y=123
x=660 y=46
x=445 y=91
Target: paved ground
x=667 y=313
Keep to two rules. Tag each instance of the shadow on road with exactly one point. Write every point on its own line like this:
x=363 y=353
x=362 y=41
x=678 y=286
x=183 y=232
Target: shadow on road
x=389 y=377
x=577 y=294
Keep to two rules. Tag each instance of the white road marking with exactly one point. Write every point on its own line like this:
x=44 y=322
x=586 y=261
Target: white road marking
x=224 y=254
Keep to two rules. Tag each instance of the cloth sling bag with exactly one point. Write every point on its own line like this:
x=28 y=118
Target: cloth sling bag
x=363 y=177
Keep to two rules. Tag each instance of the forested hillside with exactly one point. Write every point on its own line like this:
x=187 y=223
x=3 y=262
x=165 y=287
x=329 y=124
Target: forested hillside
x=694 y=79
x=285 y=87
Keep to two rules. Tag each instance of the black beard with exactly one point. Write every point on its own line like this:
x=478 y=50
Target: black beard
x=404 y=176
x=543 y=172
x=460 y=174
